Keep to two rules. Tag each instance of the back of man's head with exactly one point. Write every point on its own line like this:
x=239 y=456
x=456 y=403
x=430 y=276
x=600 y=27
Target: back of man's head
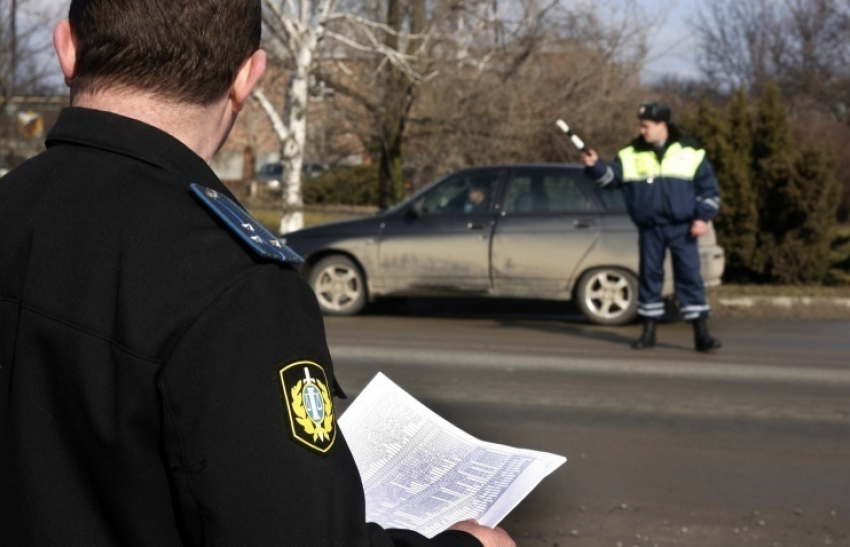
x=186 y=51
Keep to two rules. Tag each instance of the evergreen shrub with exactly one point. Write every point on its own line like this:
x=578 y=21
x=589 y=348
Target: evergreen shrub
x=356 y=185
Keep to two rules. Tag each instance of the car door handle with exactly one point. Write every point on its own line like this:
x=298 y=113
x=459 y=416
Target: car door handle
x=581 y=223
x=475 y=226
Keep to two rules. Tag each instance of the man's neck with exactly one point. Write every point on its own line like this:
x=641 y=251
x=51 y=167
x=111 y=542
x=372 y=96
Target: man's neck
x=201 y=128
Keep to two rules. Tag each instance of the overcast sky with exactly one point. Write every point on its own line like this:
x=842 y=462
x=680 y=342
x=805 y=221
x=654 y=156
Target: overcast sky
x=674 y=48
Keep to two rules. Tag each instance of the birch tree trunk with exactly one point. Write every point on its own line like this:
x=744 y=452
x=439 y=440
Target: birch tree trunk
x=292 y=214
x=299 y=26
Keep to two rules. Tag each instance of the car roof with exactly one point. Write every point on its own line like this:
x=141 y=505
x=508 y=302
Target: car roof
x=518 y=165
x=473 y=169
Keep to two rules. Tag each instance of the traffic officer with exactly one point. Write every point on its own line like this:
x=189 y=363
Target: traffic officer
x=671 y=193
x=164 y=375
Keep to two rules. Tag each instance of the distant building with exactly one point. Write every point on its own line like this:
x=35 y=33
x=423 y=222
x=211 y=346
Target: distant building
x=24 y=122
x=336 y=132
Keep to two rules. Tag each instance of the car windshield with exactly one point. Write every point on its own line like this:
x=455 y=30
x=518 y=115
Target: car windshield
x=271 y=169
x=466 y=192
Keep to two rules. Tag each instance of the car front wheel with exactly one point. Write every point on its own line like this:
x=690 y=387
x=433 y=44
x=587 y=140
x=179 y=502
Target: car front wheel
x=608 y=296
x=339 y=285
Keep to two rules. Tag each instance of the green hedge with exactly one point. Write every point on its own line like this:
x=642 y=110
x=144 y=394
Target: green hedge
x=343 y=186
x=839 y=272
x=780 y=197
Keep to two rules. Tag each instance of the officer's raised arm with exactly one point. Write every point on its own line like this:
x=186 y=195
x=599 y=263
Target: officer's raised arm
x=605 y=174
x=589 y=157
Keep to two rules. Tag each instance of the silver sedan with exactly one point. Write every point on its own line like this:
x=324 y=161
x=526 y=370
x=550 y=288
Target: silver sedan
x=538 y=231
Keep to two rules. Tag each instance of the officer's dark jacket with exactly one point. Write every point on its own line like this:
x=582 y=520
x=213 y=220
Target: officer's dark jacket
x=140 y=348
x=663 y=186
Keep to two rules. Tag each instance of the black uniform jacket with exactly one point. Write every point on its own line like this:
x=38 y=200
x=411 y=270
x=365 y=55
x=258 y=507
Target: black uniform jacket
x=141 y=344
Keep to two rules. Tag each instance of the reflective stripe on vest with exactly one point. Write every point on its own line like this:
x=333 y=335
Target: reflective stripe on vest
x=679 y=163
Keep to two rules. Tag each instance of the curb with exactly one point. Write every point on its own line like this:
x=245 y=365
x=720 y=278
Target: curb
x=782 y=301
x=782 y=307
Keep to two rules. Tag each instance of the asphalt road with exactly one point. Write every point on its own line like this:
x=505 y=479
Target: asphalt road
x=747 y=446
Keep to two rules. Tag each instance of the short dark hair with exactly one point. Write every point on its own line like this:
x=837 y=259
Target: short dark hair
x=184 y=50
x=656 y=112
x=483 y=187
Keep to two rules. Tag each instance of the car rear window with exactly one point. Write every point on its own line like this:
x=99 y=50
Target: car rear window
x=536 y=191
x=612 y=199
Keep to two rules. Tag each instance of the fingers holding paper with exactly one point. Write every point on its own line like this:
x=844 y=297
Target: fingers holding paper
x=489 y=537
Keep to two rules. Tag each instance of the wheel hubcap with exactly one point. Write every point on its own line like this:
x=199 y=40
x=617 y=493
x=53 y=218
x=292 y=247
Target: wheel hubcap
x=608 y=295
x=338 y=287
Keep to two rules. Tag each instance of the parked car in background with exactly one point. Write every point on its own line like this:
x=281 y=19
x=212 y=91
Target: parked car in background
x=545 y=232
x=270 y=175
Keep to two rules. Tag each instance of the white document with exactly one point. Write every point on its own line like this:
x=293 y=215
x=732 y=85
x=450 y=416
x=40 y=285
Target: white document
x=422 y=473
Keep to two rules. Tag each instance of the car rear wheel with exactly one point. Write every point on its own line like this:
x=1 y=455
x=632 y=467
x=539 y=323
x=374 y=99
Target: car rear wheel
x=339 y=285
x=608 y=296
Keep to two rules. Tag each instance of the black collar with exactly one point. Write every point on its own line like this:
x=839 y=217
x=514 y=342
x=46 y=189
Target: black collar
x=134 y=139
x=674 y=135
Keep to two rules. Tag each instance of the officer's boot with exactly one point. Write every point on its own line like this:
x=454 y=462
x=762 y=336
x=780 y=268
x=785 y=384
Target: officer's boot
x=647 y=339
x=702 y=340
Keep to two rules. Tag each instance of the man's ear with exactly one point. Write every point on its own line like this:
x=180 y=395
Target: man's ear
x=65 y=43
x=246 y=79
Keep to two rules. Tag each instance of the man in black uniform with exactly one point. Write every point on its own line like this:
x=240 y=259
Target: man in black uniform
x=164 y=376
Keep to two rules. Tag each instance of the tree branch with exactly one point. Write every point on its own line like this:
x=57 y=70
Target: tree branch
x=279 y=127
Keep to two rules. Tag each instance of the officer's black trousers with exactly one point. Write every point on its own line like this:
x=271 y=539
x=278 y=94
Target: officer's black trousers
x=690 y=291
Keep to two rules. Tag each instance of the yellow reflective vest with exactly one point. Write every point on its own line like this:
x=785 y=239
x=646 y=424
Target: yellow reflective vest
x=678 y=187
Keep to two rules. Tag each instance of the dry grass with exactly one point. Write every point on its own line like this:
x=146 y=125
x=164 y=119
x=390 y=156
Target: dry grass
x=780 y=290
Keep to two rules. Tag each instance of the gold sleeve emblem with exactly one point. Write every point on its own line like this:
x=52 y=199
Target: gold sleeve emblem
x=313 y=423
x=309 y=404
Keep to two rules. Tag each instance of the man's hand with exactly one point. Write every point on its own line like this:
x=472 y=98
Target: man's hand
x=490 y=537
x=699 y=228
x=589 y=157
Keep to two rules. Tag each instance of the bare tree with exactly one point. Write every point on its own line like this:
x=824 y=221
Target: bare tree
x=583 y=67
x=801 y=45
x=304 y=34
x=25 y=60
x=742 y=43
x=816 y=66
x=444 y=43
x=297 y=28
x=458 y=82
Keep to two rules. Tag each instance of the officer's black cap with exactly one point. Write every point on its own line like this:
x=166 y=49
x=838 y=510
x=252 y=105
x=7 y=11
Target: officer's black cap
x=656 y=112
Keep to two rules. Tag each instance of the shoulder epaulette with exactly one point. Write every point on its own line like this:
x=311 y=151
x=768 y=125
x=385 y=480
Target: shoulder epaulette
x=244 y=226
